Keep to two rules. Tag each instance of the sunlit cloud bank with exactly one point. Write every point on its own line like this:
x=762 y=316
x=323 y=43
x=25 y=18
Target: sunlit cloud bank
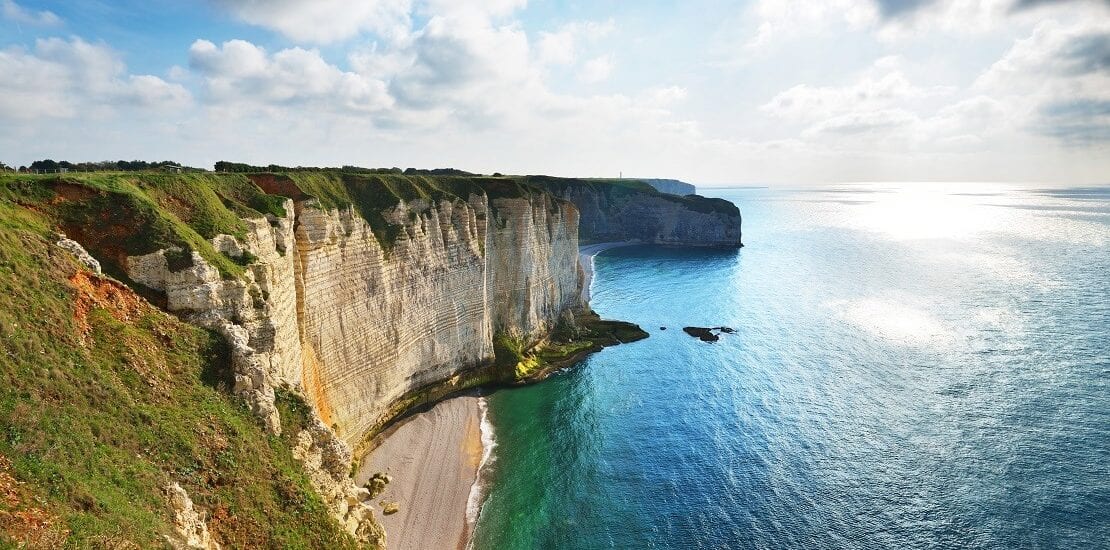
x=771 y=91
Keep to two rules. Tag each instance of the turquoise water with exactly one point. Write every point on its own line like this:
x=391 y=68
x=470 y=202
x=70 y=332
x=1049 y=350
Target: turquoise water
x=914 y=367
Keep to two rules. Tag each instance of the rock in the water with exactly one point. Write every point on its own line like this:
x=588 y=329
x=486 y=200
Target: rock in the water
x=701 y=333
x=708 y=334
x=662 y=328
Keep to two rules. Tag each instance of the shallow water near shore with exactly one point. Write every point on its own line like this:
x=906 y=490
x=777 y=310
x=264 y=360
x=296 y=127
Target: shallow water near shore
x=914 y=366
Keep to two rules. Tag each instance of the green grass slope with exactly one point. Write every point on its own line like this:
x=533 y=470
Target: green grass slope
x=104 y=400
x=126 y=214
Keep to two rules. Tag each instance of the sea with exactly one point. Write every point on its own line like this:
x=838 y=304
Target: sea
x=913 y=366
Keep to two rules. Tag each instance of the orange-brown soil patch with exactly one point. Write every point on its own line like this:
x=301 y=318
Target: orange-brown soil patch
x=278 y=185
x=21 y=520
x=98 y=292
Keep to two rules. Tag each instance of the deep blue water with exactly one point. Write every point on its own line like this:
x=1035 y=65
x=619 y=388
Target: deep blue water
x=915 y=366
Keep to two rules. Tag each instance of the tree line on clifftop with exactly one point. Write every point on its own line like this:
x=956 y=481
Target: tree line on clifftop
x=225 y=166
x=53 y=166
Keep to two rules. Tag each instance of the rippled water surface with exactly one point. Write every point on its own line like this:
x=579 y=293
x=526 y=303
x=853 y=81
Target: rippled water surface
x=915 y=366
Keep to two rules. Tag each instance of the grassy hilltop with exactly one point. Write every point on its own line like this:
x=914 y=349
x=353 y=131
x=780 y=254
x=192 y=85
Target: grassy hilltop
x=105 y=399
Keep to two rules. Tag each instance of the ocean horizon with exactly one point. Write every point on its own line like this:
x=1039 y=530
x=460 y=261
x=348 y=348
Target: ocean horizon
x=913 y=366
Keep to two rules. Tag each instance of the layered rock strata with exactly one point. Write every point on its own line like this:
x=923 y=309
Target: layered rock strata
x=376 y=326
x=354 y=323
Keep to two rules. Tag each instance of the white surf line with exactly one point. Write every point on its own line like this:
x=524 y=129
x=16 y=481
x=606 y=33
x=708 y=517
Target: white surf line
x=474 y=499
x=586 y=256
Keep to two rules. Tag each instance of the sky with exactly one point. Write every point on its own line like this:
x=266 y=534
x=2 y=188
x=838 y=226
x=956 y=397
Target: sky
x=708 y=91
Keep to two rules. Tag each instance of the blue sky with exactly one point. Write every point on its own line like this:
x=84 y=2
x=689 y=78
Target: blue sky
x=710 y=91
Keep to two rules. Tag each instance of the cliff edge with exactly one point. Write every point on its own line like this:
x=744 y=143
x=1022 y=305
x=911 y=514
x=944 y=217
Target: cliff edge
x=343 y=300
x=632 y=210
x=674 y=187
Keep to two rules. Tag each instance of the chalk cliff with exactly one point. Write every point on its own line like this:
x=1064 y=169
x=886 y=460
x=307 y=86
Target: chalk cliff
x=375 y=327
x=369 y=294
x=623 y=210
x=358 y=319
x=328 y=306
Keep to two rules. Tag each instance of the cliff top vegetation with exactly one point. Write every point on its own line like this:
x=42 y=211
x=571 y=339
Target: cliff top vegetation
x=105 y=400
x=119 y=214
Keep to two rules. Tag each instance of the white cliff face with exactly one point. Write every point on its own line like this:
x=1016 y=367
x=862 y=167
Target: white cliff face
x=325 y=309
x=532 y=264
x=376 y=326
x=79 y=252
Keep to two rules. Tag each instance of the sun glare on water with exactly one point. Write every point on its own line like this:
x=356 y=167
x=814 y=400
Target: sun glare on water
x=926 y=210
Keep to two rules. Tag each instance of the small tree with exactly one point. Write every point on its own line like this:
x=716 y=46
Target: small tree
x=48 y=165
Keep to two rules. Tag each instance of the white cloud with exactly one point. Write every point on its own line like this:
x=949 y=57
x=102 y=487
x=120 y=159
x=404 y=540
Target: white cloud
x=326 y=21
x=884 y=110
x=875 y=123
x=69 y=78
x=467 y=68
x=666 y=96
x=557 y=48
x=1056 y=82
x=952 y=16
x=484 y=9
x=561 y=47
x=875 y=96
x=596 y=69
x=777 y=21
x=781 y=20
x=907 y=18
x=243 y=74
x=18 y=14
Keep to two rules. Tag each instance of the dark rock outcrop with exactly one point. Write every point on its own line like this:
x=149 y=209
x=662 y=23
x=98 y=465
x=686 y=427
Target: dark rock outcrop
x=707 y=334
x=631 y=210
x=674 y=187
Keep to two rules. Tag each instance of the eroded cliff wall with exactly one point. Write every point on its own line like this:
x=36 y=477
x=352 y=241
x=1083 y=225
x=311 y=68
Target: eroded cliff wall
x=377 y=324
x=631 y=210
x=358 y=319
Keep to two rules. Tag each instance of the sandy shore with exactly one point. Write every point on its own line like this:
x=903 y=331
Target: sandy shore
x=433 y=458
x=586 y=258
